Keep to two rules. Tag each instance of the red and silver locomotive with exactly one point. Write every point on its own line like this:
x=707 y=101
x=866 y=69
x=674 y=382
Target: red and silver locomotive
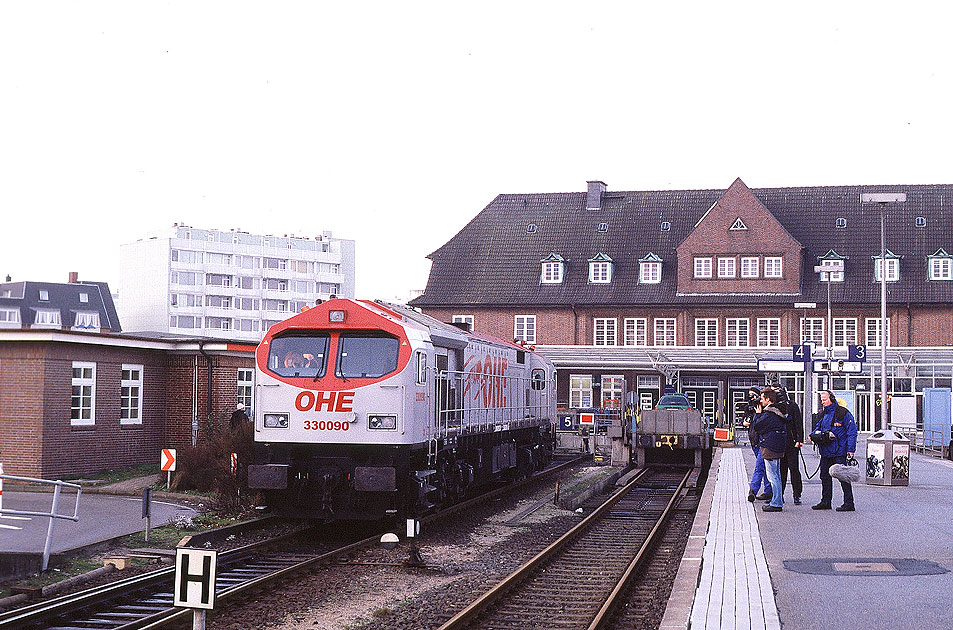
x=366 y=410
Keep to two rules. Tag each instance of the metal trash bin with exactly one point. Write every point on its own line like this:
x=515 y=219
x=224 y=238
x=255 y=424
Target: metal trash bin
x=888 y=459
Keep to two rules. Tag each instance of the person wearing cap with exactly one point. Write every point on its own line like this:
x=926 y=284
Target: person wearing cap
x=838 y=423
x=238 y=416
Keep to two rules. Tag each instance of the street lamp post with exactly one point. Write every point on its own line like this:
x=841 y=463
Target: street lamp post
x=830 y=267
x=882 y=199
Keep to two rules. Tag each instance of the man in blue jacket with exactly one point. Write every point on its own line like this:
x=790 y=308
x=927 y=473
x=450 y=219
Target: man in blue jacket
x=835 y=434
x=770 y=423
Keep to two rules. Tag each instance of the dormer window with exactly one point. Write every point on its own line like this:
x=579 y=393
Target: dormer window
x=666 y=226
x=836 y=263
x=600 y=269
x=650 y=269
x=552 y=270
x=920 y=222
x=44 y=295
x=84 y=298
x=46 y=317
x=603 y=227
x=893 y=267
x=941 y=265
x=840 y=222
x=86 y=320
x=531 y=228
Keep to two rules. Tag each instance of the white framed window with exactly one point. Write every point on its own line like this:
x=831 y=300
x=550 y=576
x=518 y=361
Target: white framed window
x=524 y=328
x=83 y=397
x=893 y=269
x=86 y=320
x=246 y=389
x=941 y=269
x=650 y=272
x=726 y=268
x=47 y=317
x=552 y=273
x=845 y=331
x=186 y=278
x=736 y=332
x=636 y=331
x=463 y=319
x=580 y=391
x=218 y=323
x=612 y=386
x=664 y=331
x=185 y=321
x=769 y=332
x=186 y=256
x=130 y=396
x=832 y=276
x=9 y=317
x=604 y=331
x=702 y=267
x=750 y=267
x=706 y=332
x=248 y=262
x=812 y=330
x=247 y=325
x=600 y=272
x=873 y=332
x=84 y=298
x=773 y=267
x=44 y=295
x=216 y=258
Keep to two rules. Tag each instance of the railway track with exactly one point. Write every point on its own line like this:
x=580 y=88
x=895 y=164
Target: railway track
x=578 y=580
x=145 y=601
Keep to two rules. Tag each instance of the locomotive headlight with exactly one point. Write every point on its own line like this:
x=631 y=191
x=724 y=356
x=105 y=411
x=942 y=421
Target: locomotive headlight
x=382 y=422
x=276 y=421
x=335 y=316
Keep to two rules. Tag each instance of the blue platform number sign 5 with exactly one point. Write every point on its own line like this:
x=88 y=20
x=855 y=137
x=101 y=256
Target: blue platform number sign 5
x=857 y=353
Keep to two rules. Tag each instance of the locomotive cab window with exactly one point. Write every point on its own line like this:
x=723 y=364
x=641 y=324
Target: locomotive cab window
x=301 y=356
x=539 y=379
x=366 y=355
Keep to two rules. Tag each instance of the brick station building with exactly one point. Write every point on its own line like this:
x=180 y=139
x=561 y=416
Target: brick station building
x=626 y=290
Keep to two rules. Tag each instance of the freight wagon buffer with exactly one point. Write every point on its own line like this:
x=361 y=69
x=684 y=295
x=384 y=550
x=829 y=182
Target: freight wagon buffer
x=670 y=436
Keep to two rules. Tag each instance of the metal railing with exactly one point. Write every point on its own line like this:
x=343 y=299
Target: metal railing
x=924 y=441
x=53 y=514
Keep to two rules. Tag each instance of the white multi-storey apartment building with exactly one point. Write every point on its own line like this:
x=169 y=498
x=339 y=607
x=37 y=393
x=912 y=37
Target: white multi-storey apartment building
x=227 y=283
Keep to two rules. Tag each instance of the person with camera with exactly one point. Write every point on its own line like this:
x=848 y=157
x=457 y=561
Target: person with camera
x=757 y=477
x=770 y=423
x=835 y=435
x=792 y=454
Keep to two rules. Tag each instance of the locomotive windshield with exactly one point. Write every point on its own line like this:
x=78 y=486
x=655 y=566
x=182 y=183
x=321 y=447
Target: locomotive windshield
x=299 y=355
x=366 y=356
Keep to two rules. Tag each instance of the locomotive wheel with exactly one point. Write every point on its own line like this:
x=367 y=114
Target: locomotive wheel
x=448 y=475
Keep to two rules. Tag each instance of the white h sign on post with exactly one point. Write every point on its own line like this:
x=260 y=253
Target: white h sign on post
x=195 y=578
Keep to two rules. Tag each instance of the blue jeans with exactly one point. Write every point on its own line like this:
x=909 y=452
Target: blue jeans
x=772 y=468
x=758 y=477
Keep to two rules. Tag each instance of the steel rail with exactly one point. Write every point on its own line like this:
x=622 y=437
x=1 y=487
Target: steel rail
x=467 y=617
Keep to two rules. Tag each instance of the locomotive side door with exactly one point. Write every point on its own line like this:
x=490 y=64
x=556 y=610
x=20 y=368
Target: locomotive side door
x=442 y=389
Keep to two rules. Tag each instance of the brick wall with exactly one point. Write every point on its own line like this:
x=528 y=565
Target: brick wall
x=21 y=408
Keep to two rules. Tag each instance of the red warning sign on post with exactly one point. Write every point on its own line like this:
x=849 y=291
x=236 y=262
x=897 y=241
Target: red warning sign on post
x=234 y=463
x=167 y=460
x=587 y=418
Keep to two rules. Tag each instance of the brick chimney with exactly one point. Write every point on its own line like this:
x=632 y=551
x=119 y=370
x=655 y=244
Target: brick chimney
x=594 y=194
x=73 y=277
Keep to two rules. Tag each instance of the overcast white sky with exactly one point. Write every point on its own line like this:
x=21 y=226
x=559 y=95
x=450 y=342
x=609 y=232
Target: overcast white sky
x=394 y=123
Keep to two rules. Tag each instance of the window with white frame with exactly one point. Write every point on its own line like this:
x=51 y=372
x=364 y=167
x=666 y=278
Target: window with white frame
x=750 y=266
x=604 y=331
x=186 y=256
x=216 y=258
x=726 y=268
x=246 y=389
x=186 y=278
x=580 y=391
x=736 y=331
x=247 y=262
x=664 y=331
x=130 y=396
x=636 y=331
x=772 y=267
x=600 y=272
x=812 y=330
x=702 y=267
x=552 y=273
x=769 y=332
x=941 y=268
x=44 y=295
x=706 y=332
x=463 y=319
x=9 y=317
x=845 y=331
x=612 y=391
x=247 y=325
x=218 y=323
x=83 y=398
x=86 y=320
x=873 y=332
x=832 y=276
x=893 y=269
x=650 y=272
x=47 y=317
x=84 y=298
x=524 y=328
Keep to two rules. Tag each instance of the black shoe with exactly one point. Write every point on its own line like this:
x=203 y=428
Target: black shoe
x=770 y=508
x=797 y=500
x=763 y=497
x=845 y=508
x=751 y=496
x=821 y=506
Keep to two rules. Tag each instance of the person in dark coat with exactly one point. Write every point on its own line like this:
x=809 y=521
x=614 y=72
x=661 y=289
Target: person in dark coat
x=238 y=417
x=757 y=477
x=792 y=454
x=835 y=434
x=770 y=423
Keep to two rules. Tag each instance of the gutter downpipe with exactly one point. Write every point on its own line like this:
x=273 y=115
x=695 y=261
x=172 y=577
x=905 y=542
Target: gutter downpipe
x=208 y=361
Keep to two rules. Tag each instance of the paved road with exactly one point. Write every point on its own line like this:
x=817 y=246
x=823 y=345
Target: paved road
x=101 y=517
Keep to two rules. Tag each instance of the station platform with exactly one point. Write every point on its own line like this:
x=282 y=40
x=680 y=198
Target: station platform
x=889 y=564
